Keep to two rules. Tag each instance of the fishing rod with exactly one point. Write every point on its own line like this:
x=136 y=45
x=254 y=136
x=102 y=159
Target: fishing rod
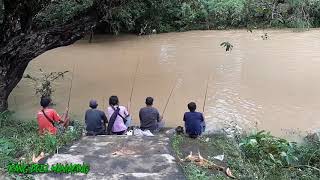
x=165 y=107
x=103 y=105
x=134 y=81
x=69 y=98
x=206 y=93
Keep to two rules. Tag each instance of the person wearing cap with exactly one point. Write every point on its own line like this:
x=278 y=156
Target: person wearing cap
x=95 y=120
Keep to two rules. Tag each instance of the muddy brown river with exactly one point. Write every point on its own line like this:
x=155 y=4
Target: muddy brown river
x=272 y=84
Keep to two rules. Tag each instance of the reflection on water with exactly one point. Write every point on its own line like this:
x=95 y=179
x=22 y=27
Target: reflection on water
x=272 y=83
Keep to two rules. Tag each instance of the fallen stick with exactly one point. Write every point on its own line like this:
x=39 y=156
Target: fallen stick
x=200 y=161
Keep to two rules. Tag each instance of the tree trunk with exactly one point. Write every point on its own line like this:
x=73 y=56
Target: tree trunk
x=21 y=49
x=9 y=78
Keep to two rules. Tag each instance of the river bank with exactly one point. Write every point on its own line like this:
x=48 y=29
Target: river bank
x=249 y=156
x=253 y=156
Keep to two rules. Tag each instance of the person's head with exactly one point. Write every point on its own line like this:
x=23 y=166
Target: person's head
x=45 y=102
x=192 y=107
x=113 y=100
x=149 y=101
x=93 y=104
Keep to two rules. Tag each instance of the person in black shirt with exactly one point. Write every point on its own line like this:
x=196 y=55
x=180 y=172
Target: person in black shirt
x=194 y=121
x=95 y=120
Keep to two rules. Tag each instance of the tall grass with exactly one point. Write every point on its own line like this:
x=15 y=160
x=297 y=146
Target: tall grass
x=19 y=139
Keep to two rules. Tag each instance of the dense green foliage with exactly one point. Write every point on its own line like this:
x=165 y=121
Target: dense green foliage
x=20 y=139
x=269 y=150
x=143 y=16
x=180 y=15
x=59 y=12
x=256 y=156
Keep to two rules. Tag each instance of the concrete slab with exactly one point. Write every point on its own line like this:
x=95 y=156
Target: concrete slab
x=119 y=157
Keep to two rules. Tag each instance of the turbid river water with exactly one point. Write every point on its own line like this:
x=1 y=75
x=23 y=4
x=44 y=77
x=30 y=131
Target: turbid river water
x=272 y=84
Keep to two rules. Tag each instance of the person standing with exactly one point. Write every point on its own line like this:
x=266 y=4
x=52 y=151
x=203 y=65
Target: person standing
x=150 y=118
x=119 y=117
x=194 y=121
x=95 y=120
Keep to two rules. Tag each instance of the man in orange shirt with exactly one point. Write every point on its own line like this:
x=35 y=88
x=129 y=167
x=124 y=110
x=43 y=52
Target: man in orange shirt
x=47 y=117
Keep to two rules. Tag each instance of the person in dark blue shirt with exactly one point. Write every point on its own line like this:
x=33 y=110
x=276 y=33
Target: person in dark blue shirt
x=95 y=120
x=193 y=121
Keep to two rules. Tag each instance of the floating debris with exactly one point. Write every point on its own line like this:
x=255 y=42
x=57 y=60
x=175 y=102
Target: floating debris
x=265 y=36
x=227 y=45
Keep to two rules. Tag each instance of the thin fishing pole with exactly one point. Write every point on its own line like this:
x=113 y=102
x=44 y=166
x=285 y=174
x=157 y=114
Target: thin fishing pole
x=73 y=70
x=205 y=95
x=165 y=107
x=134 y=80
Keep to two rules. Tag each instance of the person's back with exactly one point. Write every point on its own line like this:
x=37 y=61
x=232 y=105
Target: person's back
x=194 y=121
x=95 y=120
x=46 y=117
x=45 y=125
x=149 y=116
x=117 y=117
x=119 y=126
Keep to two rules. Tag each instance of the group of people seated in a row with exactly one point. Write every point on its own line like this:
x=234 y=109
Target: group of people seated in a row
x=118 y=119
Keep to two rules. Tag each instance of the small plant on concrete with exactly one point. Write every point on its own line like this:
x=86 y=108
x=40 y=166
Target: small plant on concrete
x=43 y=84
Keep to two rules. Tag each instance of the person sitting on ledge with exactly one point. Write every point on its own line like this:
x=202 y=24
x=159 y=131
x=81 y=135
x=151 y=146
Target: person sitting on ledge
x=119 y=117
x=47 y=117
x=194 y=121
x=95 y=120
x=150 y=118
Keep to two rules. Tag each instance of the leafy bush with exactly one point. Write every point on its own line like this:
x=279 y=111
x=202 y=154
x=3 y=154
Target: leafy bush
x=43 y=84
x=269 y=150
x=20 y=139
